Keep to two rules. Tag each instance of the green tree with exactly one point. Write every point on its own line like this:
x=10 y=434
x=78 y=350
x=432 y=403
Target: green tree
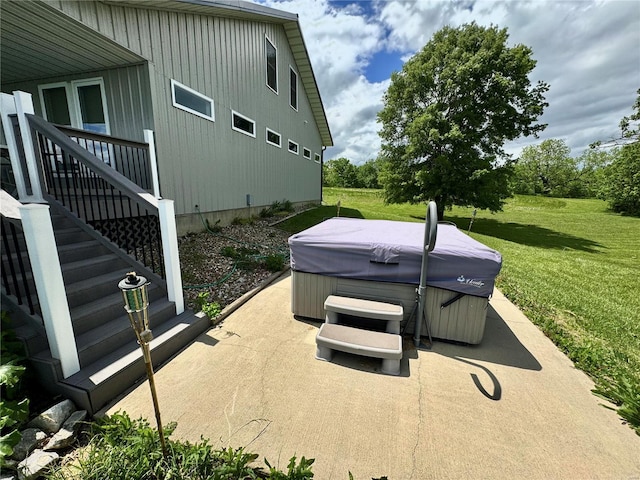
x=342 y=173
x=593 y=164
x=629 y=131
x=546 y=169
x=448 y=113
x=325 y=175
x=621 y=179
x=368 y=174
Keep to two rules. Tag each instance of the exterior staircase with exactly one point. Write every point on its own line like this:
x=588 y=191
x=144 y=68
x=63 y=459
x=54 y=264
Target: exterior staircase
x=105 y=224
x=110 y=358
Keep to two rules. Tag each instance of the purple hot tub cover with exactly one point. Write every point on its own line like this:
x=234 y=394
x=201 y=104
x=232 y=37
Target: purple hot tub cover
x=390 y=251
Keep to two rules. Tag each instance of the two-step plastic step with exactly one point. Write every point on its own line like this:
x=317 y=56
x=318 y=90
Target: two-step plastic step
x=385 y=345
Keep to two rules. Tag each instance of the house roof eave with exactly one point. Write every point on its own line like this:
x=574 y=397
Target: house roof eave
x=251 y=11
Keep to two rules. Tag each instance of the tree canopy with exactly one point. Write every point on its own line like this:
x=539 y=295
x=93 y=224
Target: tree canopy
x=549 y=169
x=629 y=131
x=340 y=172
x=448 y=113
x=621 y=182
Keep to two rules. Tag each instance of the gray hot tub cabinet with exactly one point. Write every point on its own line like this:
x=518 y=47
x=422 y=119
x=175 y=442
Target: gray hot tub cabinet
x=380 y=260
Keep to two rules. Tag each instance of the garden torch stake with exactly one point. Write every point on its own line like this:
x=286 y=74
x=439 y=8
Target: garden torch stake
x=473 y=217
x=136 y=303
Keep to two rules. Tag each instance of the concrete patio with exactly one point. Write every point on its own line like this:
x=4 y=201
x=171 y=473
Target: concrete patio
x=512 y=407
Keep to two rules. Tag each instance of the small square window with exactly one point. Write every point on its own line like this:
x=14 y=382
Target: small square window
x=191 y=101
x=306 y=153
x=243 y=124
x=293 y=147
x=316 y=158
x=271 y=54
x=273 y=138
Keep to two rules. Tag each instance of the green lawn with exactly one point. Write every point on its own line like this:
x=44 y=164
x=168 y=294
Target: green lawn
x=570 y=265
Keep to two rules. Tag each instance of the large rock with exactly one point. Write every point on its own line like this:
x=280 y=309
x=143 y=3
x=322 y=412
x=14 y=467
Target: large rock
x=31 y=438
x=36 y=464
x=51 y=420
x=69 y=431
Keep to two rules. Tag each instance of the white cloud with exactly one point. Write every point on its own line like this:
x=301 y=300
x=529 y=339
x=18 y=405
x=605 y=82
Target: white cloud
x=352 y=116
x=588 y=51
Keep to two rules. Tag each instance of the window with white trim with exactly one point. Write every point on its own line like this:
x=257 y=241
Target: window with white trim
x=316 y=158
x=79 y=104
x=293 y=88
x=306 y=153
x=271 y=54
x=189 y=100
x=274 y=138
x=293 y=147
x=243 y=124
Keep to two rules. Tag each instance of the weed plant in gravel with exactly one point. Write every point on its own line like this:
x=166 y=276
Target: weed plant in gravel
x=230 y=261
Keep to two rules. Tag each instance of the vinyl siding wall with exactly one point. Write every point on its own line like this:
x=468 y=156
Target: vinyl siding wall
x=127 y=93
x=207 y=163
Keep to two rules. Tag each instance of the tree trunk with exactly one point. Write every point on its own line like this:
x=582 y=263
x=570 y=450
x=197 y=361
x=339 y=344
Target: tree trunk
x=439 y=207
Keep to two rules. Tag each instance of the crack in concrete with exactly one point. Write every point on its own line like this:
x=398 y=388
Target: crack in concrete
x=420 y=419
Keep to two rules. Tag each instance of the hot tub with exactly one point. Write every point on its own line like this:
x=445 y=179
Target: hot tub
x=381 y=260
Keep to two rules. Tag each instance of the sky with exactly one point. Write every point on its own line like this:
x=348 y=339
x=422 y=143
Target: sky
x=588 y=51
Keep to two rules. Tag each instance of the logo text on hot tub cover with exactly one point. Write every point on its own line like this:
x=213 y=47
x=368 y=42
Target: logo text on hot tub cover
x=472 y=282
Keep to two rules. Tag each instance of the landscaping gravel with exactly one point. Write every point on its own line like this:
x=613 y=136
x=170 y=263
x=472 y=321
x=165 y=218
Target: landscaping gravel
x=224 y=279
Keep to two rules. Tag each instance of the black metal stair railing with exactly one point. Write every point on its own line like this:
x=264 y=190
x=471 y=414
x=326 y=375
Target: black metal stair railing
x=115 y=206
x=127 y=157
x=16 y=268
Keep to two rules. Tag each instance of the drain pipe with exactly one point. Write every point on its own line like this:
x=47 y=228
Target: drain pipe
x=322 y=174
x=430 y=234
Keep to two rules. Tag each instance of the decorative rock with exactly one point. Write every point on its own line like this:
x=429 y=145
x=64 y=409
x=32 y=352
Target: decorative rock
x=31 y=438
x=67 y=434
x=51 y=420
x=35 y=464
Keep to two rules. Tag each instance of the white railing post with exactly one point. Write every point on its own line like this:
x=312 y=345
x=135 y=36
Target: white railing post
x=153 y=162
x=47 y=275
x=24 y=105
x=169 y=234
x=8 y=107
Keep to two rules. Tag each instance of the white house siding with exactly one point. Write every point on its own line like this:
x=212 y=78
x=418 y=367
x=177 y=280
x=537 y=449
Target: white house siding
x=204 y=163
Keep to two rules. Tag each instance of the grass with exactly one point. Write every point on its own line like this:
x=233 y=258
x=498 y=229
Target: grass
x=312 y=217
x=570 y=265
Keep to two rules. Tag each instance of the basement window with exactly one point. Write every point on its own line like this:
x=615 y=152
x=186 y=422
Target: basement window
x=273 y=138
x=191 y=101
x=243 y=124
x=293 y=147
x=306 y=153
